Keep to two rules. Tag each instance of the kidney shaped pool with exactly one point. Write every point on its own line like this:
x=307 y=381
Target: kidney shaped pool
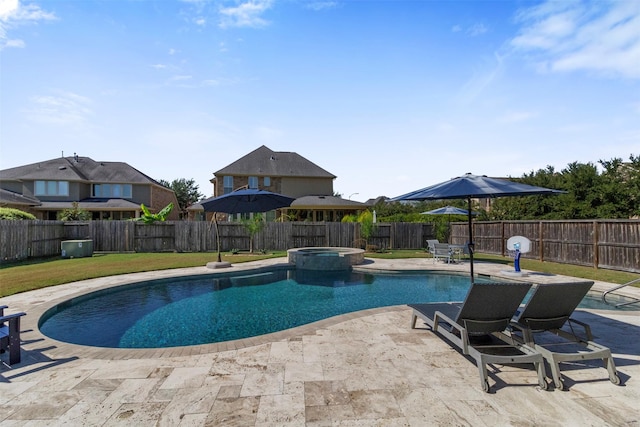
x=205 y=309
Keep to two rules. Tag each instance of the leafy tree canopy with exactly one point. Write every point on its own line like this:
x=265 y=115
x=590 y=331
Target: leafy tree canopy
x=187 y=193
x=149 y=218
x=15 y=214
x=74 y=214
x=609 y=189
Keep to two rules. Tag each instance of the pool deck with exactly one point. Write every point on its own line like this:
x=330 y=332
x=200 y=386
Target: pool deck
x=362 y=369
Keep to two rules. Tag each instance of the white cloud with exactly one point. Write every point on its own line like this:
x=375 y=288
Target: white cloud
x=473 y=30
x=8 y=8
x=321 y=5
x=61 y=108
x=477 y=29
x=481 y=79
x=602 y=37
x=247 y=14
x=13 y=15
x=516 y=117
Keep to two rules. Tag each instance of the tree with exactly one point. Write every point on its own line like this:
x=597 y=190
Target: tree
x=254 y=225
x=186 y=192
x=74 y=214
x=149 y=218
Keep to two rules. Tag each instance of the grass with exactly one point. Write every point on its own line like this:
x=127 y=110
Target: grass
x=36 y=274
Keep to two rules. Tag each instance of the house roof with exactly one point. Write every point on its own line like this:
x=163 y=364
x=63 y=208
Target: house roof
x=10 y=198
x=77 y=169
x=325 y=202
x=266 y=162
x=311 y=202
x=92 y=204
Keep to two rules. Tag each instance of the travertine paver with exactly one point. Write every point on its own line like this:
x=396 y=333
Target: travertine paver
x=363 y=369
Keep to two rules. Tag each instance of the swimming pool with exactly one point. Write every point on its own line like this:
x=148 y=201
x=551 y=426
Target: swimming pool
x=205 y=309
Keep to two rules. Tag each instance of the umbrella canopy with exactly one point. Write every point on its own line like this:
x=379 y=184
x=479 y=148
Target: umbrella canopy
x=469 y=187
x=447 y=210
x=244 y=201
x=473 y=187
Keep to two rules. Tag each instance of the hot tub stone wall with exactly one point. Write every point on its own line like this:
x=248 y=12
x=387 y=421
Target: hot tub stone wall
x=325 y=258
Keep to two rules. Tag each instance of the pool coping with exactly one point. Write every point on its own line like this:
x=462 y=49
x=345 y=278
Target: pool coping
x=61 y=293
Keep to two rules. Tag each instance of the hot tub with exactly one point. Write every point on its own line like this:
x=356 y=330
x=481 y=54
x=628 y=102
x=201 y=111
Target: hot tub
x=325 y=258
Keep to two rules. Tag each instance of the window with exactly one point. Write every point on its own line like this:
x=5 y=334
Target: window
x=253 y=182
x=267 y=181
x=228 y=184
x=51 y=188
x=112 y=190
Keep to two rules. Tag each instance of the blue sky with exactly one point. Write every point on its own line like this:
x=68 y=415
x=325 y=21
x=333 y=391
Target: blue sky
x=390 y=96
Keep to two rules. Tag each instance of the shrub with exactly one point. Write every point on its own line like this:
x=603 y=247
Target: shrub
x=74 y=214
x=15 y=214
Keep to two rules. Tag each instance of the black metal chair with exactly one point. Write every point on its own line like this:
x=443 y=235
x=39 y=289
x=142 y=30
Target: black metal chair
x=10 y=335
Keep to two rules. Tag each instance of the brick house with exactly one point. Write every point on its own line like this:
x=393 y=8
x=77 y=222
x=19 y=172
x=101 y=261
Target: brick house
x=109 y=190
x=287 y=173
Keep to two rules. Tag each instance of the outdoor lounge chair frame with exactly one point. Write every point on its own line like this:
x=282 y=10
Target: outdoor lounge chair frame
x=10 y=335
x=442 y=251
x=549 y=310
x=487 y=310
x=430 y=244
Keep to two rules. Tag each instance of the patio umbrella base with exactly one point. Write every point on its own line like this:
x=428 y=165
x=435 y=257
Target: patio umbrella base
x=218 y=264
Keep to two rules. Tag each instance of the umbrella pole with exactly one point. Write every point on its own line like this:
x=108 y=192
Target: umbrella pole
x=470 y=244
x=215 y=224
x=215 y=221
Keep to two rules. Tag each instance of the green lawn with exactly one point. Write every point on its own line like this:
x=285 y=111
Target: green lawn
x=36 y=274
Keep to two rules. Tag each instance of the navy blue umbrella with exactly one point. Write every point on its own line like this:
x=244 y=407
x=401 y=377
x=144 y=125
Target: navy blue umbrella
x=244 y=201
x=447 y=210
x=474 y=187
x=247 y=200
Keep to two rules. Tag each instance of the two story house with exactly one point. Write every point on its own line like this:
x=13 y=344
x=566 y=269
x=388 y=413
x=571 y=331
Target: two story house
x=287 y=173
x=109 y=190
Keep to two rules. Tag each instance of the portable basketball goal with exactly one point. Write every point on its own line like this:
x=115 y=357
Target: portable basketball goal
x=517 y=245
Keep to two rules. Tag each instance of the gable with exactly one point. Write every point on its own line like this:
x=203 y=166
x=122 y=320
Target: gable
x=77 y=169
x=266 y=162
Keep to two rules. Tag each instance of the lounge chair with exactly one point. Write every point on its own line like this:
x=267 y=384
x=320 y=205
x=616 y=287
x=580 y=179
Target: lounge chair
x=430 y=244
x=10 y=335
x=473 y=325
x=548 y=311
x=442 y=251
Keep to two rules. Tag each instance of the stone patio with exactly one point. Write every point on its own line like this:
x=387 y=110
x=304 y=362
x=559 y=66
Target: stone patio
x=361 y=369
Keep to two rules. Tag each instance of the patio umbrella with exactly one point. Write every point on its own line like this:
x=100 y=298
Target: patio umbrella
x=244 y=201
x=448 y=210
x=469 y=187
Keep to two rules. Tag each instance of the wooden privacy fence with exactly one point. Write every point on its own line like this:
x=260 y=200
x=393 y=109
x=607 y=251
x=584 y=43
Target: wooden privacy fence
x=26 y=239
x=611 y=244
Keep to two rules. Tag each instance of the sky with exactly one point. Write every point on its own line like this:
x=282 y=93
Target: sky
x=389 y=96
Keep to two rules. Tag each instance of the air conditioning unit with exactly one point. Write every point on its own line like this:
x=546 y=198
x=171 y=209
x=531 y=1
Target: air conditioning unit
x=77 y=248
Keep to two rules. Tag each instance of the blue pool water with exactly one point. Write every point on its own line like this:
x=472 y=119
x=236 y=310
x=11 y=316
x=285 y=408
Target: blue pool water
x=208 y=309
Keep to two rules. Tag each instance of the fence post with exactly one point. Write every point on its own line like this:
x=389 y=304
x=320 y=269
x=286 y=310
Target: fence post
x=540 y=239
x=596 y=237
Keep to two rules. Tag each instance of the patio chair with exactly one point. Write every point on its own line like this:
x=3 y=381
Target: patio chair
x=473 y=326
x=442 y=251
x=430 y=245
x=10 y=335
x=548 y=312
